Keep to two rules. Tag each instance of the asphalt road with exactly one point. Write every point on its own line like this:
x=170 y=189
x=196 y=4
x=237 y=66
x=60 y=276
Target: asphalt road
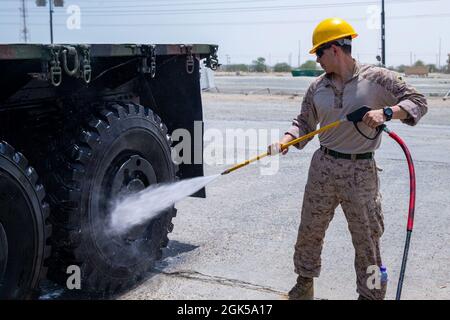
x=286 y=84
x=239 y=241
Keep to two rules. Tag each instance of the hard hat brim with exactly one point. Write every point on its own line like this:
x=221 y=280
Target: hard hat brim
x=314 y=49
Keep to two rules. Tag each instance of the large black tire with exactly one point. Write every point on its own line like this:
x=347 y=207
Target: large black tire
x=24 y=227
x=123 y=148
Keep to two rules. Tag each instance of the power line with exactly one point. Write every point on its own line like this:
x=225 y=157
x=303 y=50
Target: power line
x=155 y=1
x=171 y=4
x=418 y=16
x=94 y=11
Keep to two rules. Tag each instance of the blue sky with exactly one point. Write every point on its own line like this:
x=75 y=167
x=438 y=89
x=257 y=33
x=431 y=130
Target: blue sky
x=246 y=29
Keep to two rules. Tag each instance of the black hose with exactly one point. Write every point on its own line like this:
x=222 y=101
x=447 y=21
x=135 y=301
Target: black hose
x=403 y=268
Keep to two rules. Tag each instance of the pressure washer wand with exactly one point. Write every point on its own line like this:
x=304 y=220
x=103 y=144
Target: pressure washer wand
x=355 y=117
x=286 y=145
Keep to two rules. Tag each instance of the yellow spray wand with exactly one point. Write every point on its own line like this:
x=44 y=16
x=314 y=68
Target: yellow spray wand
x=286 y=145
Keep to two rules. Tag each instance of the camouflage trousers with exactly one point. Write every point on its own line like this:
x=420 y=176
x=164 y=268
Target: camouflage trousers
x=354 y=185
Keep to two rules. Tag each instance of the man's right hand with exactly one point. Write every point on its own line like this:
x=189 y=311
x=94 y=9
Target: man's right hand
x=275 y=147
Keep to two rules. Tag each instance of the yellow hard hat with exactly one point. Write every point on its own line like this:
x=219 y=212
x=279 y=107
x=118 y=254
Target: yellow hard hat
x=331 y=29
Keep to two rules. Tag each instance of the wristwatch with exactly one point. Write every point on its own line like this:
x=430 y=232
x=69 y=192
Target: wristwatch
x=387 y=111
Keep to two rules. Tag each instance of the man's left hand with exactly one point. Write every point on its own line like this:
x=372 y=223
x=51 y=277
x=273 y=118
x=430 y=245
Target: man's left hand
x=374 y=118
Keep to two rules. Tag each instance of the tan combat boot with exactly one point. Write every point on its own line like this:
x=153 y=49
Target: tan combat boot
x=303 y=289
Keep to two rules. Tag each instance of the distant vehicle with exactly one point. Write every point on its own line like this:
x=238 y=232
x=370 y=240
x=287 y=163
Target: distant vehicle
x=95 y=123
x=307 y=72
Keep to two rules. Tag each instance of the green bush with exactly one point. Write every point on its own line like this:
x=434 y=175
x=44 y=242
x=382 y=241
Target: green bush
x=259 y=65
x=282 y=67
x=310 y=65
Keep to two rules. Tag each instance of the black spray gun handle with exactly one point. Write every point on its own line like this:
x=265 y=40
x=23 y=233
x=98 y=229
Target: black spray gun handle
x=357 y=116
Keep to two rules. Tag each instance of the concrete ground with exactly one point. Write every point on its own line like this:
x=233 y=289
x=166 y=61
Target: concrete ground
x=284 y=83
x=238 y=243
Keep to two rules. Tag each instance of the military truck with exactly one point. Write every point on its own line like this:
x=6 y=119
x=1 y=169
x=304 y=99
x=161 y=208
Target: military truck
x=81 y=125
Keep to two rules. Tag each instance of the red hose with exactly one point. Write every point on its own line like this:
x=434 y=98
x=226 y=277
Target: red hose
x=412 y=179
x=412 y=201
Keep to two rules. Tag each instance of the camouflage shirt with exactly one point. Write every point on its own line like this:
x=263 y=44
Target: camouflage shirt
x=372 y=86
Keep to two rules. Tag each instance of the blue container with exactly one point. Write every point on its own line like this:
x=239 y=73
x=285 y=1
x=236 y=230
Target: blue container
x=383 y=275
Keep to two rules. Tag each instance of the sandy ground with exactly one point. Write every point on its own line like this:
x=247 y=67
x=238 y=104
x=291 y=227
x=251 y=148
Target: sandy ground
x=239 y=241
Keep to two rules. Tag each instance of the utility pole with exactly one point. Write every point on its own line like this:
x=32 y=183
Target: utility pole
x=440 y=46
x=51 y=3
x=24 y=30
x=383 y=36
x=50 y=7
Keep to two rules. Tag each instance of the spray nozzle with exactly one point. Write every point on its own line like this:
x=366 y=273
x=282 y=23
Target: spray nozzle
x=358 y=115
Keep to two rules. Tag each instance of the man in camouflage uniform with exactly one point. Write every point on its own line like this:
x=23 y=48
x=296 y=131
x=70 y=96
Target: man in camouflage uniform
x=343 y=170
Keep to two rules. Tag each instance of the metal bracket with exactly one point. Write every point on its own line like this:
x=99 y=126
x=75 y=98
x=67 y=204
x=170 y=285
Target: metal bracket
x=72 y=51
x=55 y=73
x=81 y=64
x=152 y=60
x=212 y=61
x=190 y=65
x=148 y=52
x=86 y=70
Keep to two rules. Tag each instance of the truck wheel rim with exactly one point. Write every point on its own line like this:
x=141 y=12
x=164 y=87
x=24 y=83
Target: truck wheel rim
x=125 y=175
x=134 y=174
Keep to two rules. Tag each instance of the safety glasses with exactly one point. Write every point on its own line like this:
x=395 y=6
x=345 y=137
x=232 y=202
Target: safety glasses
x=320 y=50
